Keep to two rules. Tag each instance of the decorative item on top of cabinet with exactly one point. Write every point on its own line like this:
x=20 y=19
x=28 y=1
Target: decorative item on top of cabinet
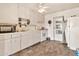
x=22 y=24
x=23 y=21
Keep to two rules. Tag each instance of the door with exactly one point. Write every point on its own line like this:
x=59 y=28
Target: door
x=58 y=28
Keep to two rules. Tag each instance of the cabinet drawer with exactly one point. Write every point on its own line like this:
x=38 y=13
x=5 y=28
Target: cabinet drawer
x=15 y=35
x=5 y=36
x=1 y=37
x=23 y=34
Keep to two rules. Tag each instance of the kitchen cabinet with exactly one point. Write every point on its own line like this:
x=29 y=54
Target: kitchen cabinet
x=5 y=44
x=24 y=40
x=30 y=38
x=7 y=47
x=15 y=45
x=15 y=42
x=36 y=37
x=1 y=47
x=44 y=34
x=24 y=43
x=11 y=43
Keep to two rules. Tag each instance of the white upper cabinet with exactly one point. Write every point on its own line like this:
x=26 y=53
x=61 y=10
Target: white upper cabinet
x=8 y=13
x=23 y=11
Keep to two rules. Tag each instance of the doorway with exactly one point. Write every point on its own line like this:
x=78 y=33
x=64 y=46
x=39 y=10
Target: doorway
x=59 y=25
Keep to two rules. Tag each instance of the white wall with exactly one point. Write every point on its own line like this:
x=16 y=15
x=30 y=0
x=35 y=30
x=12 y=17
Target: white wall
x=50 y=28
x=9 y=13
x=36 y=18
x=66 y=13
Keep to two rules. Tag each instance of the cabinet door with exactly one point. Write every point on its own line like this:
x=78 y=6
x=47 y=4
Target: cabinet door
x=15 y=45
x=24 y=43
x=1 y=47
x=43 y=34
x=7 y=47
x=25 y=40
x=37 y=37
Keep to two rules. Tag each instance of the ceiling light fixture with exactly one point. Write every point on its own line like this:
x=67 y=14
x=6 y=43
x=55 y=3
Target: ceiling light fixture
x=42 y=8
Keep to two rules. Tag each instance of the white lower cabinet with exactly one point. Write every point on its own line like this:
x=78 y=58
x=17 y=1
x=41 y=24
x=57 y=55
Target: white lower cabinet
x=24 y=43
x=9 y=44
x=30 y=38
x=44 y=35
x=36 y=37
x=7 y=47
x=14 y=42
x=15 y=45
x=1 y=47
x=5 y=44
x=24 y=40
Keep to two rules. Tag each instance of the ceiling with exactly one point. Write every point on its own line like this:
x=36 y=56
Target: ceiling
x=53 y=7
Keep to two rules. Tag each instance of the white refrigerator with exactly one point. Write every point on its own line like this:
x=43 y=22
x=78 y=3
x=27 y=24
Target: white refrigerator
x=72 y=32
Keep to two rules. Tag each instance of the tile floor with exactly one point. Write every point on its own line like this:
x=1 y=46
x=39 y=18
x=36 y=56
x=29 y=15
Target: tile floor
x=46 y=48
